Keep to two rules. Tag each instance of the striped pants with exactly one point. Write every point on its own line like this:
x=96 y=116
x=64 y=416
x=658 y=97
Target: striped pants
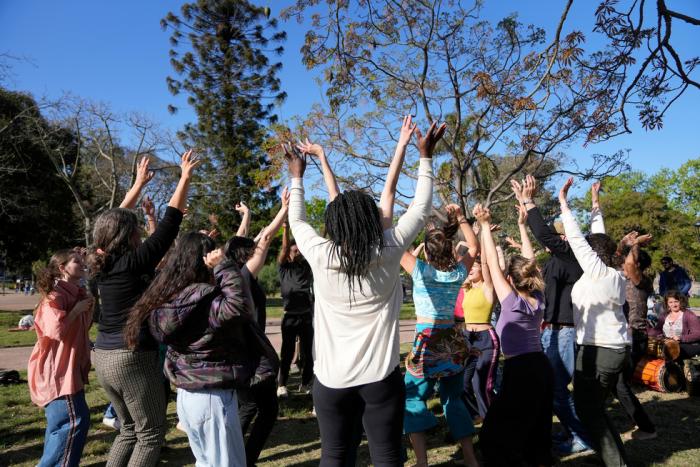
x=67 y=424
x=133 y=382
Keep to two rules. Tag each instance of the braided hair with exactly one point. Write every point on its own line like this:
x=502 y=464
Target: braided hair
x=353 y=226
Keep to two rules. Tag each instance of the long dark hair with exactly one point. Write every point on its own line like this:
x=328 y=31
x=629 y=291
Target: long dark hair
x=114 y=235
x=355 y=230
x=185 y=266
x=605 y=247
x=438 y=244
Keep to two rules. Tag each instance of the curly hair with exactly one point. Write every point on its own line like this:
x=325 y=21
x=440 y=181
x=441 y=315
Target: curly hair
x=439 y=249
x=355 y=230
x=675 y=294
x=185 y=266
x=115 y=233
x=605 y=247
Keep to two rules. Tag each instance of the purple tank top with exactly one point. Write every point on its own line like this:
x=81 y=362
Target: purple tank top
x=518 y=326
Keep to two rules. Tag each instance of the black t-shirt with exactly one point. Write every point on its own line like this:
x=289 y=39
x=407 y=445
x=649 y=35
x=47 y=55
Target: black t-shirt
x=296 y=281
x=123 y=280
x=259 y=298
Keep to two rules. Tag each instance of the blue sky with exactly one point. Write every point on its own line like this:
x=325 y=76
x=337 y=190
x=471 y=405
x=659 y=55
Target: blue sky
x=116 y=52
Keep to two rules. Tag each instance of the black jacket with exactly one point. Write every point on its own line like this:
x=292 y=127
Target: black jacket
x=561 y=271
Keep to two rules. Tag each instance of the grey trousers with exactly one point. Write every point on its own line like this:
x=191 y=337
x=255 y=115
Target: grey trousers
x=133 y=382
x=596 y=375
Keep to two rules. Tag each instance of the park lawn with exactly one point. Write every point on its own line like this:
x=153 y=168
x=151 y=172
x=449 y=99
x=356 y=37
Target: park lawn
x=295 y=438
x=9 y=319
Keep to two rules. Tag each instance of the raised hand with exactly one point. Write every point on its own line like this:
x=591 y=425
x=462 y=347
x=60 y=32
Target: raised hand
x=213 y=258
x=630 y=239
x=482 y=214
x=643 y=240
x=512 y=243
x=595 y=189
x=522 y=213
x=296 y=163
x=407 y=129
x=143 y=175
x=529 y=187
x=285 y=198
x=242 y=208
x=426 y=144
x=454 y=209
x=188 y=162
x=147 y=206
x=517 y=189
x=312 y=149
x=563 y=193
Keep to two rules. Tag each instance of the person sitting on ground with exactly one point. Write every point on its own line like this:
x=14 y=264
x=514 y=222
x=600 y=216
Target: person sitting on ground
x=60 y=361
x=679 y=323
x=439 y=349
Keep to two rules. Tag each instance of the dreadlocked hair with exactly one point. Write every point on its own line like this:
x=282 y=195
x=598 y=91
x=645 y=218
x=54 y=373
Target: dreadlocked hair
x=438 y=244
x=185 y=266
x=353 y=226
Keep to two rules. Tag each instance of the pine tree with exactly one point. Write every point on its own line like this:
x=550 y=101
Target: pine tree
x=220 y=57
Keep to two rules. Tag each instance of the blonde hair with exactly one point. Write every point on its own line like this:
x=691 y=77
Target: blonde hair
x=525 y=274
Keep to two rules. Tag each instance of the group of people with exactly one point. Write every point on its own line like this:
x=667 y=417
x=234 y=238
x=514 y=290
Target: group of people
x=180 y=305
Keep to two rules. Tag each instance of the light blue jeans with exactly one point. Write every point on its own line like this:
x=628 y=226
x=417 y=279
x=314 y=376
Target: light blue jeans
x=560 y=348
x=210 y=418
x=67 y=424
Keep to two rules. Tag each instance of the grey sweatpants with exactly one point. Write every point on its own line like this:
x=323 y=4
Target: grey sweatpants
x=133 y=382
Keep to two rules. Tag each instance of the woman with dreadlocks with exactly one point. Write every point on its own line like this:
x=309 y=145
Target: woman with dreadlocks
x=356 y=320
x=439 y=349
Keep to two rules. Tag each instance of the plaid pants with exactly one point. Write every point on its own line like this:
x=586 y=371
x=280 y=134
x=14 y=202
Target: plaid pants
x=133 y=382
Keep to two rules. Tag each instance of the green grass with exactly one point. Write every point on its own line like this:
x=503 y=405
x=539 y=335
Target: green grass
x=694 y=301
x=295 y=438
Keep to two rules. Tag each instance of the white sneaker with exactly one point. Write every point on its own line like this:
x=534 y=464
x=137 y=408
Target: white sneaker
x=313 y=411
x=282 y=392
x=113 y=423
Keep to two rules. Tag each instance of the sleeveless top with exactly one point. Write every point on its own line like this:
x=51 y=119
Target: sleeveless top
x=477 y=310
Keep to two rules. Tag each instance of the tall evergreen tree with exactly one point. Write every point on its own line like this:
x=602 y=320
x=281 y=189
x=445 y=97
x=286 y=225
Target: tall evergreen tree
x=220 y=57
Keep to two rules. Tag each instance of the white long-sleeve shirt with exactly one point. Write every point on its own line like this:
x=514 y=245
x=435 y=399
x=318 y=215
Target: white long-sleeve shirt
x=598 y=296
x=356 y=335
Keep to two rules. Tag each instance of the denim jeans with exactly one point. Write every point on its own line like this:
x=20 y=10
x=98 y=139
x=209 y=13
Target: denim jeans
x=68 y=421
x=559 y=347
x=210 y=418
x=110 y=412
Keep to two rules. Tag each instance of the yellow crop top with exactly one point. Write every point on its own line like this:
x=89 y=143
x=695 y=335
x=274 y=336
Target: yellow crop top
x=477 y=310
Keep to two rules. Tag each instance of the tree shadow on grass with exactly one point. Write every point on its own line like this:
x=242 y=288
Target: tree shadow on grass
x=677 y=420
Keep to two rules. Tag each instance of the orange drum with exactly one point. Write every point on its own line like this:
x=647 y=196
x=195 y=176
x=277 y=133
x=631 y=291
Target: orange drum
x=659 y=375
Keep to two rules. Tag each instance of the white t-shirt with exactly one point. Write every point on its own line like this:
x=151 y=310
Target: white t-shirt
x=356 y=336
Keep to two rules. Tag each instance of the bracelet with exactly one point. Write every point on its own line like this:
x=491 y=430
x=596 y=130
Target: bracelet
x=527 y=201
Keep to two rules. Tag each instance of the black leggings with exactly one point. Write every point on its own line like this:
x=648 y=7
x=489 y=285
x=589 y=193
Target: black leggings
x=293 y=326
x=517 y=429
x=381 y=407
x=260 y=400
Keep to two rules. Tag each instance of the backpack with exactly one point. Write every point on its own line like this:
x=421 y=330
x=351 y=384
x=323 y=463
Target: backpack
x=9 y=377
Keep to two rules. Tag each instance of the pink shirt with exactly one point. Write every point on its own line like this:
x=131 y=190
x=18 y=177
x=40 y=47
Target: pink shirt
x=60 y=361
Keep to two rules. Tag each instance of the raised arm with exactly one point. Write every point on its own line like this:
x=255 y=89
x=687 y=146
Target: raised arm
x=187 y=164
x=414 y=218
x=316 y=150
x=150 y=212
x=631 y=244
x=538 y=226
x=469 y=237
x=589 y=261
x=386 y=202
x=489 y=255
x=597 y=224
x=257 y=261
x=143 y=176
x=284 y=250
x=245 y=219
x=526 y=250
